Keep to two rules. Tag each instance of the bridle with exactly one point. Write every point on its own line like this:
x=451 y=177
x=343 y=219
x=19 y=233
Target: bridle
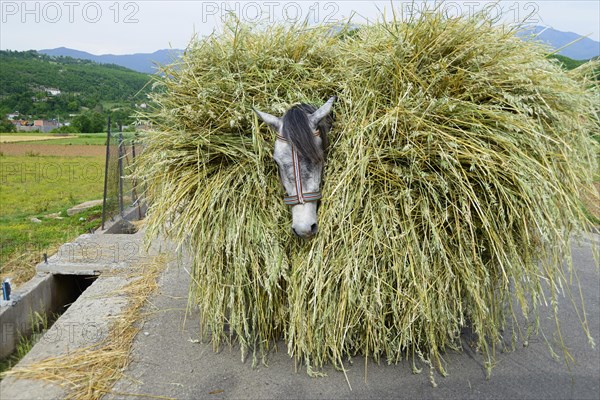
x=300 y=197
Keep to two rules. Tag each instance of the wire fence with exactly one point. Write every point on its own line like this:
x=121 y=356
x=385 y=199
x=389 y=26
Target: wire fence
x=120 y=190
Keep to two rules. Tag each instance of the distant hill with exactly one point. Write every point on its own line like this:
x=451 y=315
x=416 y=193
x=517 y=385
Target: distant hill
x=48 y=87
x=584 y=49
x=141 y=62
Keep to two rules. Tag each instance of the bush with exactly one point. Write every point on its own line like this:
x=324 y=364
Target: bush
x=66 y=129
x=7 y=127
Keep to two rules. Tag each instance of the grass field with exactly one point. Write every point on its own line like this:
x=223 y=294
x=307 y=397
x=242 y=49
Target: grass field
x=82 y=139
x=72 y=139
x=43 y=187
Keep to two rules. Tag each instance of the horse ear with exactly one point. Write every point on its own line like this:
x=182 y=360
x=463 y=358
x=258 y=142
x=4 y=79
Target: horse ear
x=322 y=112
x=269 y=119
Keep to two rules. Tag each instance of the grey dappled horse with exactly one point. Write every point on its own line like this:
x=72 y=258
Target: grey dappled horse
x=300 y=155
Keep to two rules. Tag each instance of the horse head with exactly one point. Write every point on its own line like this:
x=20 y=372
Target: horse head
x=299 y=152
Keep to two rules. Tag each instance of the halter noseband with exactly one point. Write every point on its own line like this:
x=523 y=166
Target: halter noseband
x=300 y=197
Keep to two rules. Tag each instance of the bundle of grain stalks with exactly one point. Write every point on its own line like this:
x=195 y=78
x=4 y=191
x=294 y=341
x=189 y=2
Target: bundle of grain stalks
x=457 y=162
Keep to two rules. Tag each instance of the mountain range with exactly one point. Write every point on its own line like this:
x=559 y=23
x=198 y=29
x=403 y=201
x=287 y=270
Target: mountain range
x=584 y=49
x=141 y=62
x=572 y=45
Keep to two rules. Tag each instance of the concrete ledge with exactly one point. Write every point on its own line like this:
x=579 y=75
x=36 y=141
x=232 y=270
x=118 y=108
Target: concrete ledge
x=45 y=294
x=92 y=254
x=34 y=296
x=78 y=268
x=85 y=323
x=60 y=278
x=87 y=320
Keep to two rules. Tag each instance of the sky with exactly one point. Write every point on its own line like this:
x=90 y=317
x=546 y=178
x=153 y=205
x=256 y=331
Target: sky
x=144 y=26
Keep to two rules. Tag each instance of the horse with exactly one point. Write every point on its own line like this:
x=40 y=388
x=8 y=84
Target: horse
x=299 y=151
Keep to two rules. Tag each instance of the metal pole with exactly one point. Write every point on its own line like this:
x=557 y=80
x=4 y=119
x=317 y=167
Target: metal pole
x=134 y=183
x=133 y=194
x=121 y=208
x=104 y=205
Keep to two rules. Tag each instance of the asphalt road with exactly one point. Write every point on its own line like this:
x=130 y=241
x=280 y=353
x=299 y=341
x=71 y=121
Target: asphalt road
x=166 y=361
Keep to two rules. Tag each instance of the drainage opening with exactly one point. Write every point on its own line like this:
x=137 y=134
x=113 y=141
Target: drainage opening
x=67 y=289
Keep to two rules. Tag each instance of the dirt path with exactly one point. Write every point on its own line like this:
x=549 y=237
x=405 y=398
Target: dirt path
x=21 y=149
x=16 y=138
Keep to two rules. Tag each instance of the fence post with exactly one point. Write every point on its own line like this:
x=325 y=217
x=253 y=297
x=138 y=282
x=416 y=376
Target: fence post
x=121 y=155
x=104 y=205
x=134 y=196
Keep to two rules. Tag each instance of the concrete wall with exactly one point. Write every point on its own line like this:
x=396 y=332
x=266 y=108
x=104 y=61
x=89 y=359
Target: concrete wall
x=15 y=320
x=45 y=294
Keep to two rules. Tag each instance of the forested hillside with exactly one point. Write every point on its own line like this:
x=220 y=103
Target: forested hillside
x=41 y=86
x=80 y=92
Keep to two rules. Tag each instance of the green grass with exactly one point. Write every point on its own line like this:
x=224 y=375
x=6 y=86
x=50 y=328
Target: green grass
x=89 y=139
x=36 y=187
x=43 y=184
x=98 y=139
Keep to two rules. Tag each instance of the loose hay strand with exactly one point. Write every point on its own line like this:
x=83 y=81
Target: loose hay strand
x=459 y=158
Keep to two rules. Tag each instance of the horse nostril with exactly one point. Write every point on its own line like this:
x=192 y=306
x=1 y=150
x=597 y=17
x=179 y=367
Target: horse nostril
x=313 y=229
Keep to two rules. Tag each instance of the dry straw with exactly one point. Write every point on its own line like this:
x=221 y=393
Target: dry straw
x=459 y=157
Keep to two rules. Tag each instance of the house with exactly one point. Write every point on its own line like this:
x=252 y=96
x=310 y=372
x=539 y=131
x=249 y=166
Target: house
x=45 y=125
x=53 y=91
x=12 y=116
x=23 y=125
x=39 y=125
x=19 y=122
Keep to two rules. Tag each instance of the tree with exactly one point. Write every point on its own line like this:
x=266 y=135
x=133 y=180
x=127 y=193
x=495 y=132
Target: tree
x=82 y=123
x=98 y=122
x=7 y=126
x=122 y=116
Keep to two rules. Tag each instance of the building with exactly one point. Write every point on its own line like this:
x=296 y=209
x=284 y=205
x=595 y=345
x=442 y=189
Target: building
x=45 y=125
x=39 y=125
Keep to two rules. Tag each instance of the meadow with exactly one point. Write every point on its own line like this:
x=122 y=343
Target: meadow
x=49 y=138
x=35 y=192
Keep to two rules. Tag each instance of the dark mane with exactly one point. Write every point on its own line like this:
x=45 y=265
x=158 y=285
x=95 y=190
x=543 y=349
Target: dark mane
x=296 y=128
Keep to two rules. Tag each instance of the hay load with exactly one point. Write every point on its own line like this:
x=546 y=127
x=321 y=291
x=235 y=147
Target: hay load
x=457 y=162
